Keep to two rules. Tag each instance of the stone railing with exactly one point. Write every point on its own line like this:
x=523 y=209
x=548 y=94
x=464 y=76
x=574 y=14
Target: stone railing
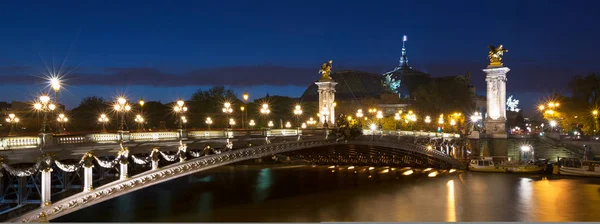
x=410 y=133
x=20 y=142
x=23 y=142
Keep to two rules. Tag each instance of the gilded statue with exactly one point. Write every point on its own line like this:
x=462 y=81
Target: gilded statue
x=496 y=54
x=325 y=70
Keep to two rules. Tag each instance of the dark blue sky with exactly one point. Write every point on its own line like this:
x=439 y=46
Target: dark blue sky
x=162 y=50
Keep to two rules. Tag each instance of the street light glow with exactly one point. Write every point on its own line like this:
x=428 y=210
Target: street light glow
x=55 y=83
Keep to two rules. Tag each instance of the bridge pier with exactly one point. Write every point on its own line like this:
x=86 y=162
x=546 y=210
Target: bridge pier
x=88 y=178
x=45 y=197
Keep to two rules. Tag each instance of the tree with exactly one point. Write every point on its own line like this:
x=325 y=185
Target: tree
x=443 y=95
x=348 y=130
x=85 y=116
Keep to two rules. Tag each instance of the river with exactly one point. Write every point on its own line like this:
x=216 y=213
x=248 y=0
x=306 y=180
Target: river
x=310 y=194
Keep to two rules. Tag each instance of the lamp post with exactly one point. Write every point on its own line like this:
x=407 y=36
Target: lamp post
x=103 y=119
x=122 y=107
x=245 y=112
x=264 y=110
x=227 y=109
x=12 y=119
x=243 y=109
x=208 y=122
x=142 y=102
x=180 y=109
x=373 y=127
x=475 y=118
x=251 y=123
x=270 y=124
x=289 y=125
x=56 y=85
x=231 y=122
x=359 y=115
x=311 y=121
x=184 y=122
x=61 y=119
x=140 y=122
x=298 y=112
x=595 y=113
x=396 y=119
x=45 y=106
x=441 y=122
x=379 y=116
x=427 y=121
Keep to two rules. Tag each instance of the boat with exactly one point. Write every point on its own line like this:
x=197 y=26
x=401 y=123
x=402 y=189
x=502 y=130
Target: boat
x=578 y=167
x=487 y=164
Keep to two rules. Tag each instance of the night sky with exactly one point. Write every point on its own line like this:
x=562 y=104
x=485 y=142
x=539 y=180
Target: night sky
x=162 y=51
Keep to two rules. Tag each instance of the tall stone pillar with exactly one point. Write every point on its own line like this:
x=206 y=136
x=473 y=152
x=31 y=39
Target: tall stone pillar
x=46 y=187
x=495 y=122
x=326 y=101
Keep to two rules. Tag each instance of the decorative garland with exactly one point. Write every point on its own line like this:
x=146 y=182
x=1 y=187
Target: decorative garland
x=68 y=167
x=141 y=161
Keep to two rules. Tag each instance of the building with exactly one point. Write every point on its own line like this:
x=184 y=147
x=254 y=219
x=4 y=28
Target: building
x=390 y=91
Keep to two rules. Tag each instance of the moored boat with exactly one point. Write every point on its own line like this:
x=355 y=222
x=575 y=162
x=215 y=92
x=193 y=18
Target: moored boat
x=578 y=167
x=487 y=164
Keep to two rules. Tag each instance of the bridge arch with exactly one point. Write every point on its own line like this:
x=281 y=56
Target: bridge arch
x=187 y=167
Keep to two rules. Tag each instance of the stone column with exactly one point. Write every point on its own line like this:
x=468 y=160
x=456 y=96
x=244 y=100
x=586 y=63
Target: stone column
x=123 y=170
x=495 y=122
x=326 y=90
x=88 y=178
x=46 y=187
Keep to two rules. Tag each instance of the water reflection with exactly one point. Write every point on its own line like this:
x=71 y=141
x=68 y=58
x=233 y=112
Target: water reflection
x=263 y=183
x=450 y=202
x=524 y=202
x=307 y=194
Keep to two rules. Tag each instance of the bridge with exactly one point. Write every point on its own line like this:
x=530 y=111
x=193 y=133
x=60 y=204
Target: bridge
x=137 y=158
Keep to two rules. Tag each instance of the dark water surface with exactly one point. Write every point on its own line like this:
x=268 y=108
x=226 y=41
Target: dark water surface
x=304 y=193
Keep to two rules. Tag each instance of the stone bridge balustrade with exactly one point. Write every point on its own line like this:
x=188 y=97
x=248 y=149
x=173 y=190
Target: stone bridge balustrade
x=29 y=142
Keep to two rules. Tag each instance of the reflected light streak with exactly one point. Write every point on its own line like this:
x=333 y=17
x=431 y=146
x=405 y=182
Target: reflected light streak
x=525 y=192
x=451 y=208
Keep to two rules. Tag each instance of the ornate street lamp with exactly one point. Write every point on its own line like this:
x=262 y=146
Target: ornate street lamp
x=208 y=122
x=303 y=126
x=251 y=123
x=183 y=121
x=62 y=119
x=44 y=106
x=288 y=125
x=140 y=122
x=103 y=119
x=231 y=122
x=180 y=108
x=297 y=112
x=311 y=121
x=243 y=109
x=264 y=110
x=270 y=124
x=227 y=109
x=12 y=119
x=142 y=102
x=245 y=96
x=121 y=107
x=397 y=119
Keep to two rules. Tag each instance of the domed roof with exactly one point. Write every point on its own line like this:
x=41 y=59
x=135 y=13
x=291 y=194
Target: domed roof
x=403 y=80
x=351 y=85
